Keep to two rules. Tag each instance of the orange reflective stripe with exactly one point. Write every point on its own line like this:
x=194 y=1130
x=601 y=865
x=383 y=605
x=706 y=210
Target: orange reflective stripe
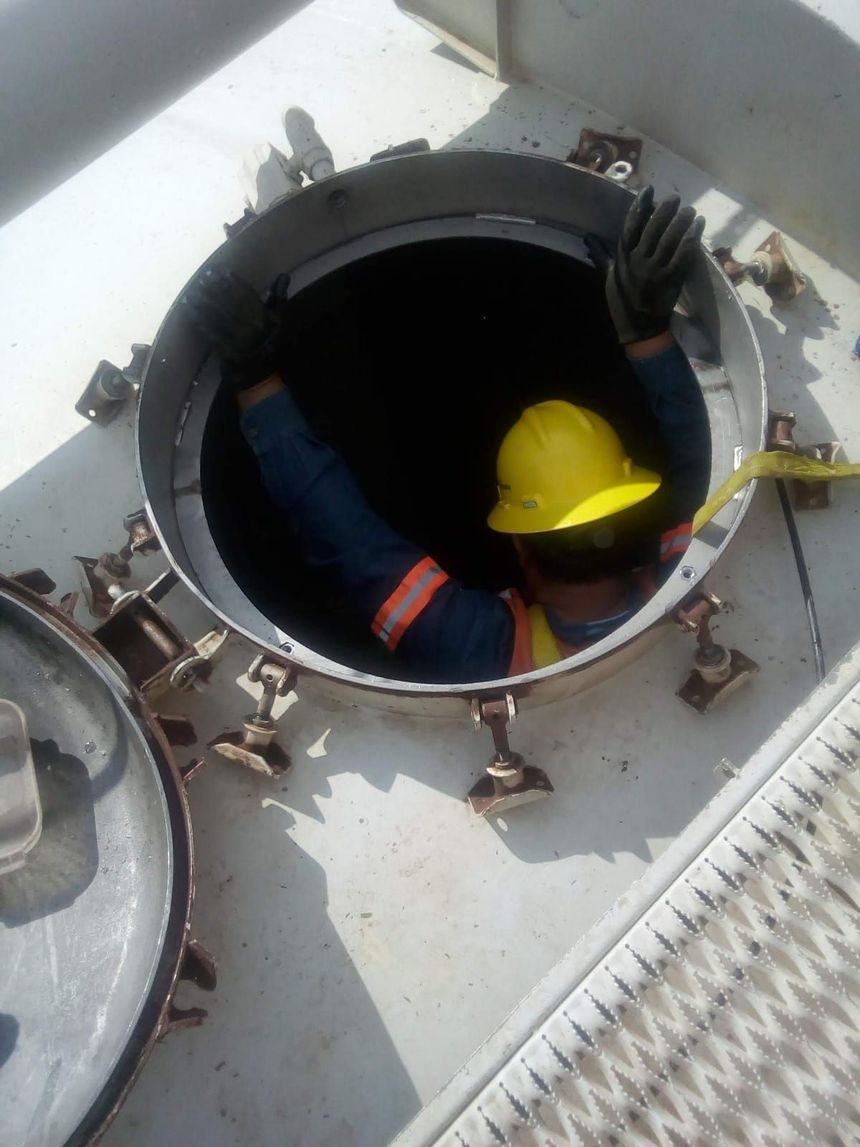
x=676 y=541
x=522 y=660
x=412 y=596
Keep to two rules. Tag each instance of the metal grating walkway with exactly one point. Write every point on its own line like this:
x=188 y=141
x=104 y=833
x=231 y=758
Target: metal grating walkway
x=728 y=1012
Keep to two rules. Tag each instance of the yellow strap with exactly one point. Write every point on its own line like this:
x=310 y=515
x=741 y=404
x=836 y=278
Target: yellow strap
x=765 y=464
x=545 y=650
x=772 y=464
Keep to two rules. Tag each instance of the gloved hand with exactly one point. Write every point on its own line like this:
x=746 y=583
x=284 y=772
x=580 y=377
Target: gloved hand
x=655 y=253
x=245 y=332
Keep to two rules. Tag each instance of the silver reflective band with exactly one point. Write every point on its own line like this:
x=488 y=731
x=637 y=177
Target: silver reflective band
x=417 y=589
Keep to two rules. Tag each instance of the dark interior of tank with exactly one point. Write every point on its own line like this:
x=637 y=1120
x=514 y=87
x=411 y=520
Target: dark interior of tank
x=413 y=363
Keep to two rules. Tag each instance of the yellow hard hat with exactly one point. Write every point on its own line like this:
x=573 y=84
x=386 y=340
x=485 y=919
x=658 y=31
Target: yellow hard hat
x=561 y=465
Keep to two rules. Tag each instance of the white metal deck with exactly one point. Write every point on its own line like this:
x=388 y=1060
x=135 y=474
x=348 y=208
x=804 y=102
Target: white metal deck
x=370 y=933
x=717 y=1001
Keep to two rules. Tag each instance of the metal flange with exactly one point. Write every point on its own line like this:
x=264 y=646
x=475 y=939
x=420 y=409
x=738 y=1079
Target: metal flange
x=805 y=495
x=772 y=267
x=717 y=671
x=109 y=387
x=254 y=745
x=508 y=781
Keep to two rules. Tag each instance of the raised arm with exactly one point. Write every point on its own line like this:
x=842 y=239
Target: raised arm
x=643 y=285
x=409 y=603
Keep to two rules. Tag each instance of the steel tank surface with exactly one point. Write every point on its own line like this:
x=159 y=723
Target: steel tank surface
x=425 y=292
x=94 y=925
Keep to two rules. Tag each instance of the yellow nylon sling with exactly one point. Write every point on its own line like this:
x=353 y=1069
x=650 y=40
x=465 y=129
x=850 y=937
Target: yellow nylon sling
x=772 y=464
x=765 y=464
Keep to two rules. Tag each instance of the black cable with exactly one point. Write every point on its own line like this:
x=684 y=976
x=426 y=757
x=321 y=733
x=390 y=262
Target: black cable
x=803 y=574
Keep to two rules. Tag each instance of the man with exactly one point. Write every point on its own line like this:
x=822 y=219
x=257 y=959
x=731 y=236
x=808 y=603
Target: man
x=576 y=507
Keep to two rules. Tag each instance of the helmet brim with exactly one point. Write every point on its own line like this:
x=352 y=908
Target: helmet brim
x=507 y=519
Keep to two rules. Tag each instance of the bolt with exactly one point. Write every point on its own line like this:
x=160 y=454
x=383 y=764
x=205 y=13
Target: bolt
x=162 y=640
x=116 y=565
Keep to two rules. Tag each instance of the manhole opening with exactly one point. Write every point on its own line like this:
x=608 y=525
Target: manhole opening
x=413 y=363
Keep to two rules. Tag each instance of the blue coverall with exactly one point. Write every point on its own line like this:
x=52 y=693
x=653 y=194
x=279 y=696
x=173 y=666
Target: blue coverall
x=453 y=633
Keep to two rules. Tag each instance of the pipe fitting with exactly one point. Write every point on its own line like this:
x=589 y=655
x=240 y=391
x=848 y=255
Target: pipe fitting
x=310 y=152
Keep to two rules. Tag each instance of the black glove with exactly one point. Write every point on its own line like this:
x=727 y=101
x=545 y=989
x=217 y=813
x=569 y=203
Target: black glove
x=655 y=253
x=245 y=332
